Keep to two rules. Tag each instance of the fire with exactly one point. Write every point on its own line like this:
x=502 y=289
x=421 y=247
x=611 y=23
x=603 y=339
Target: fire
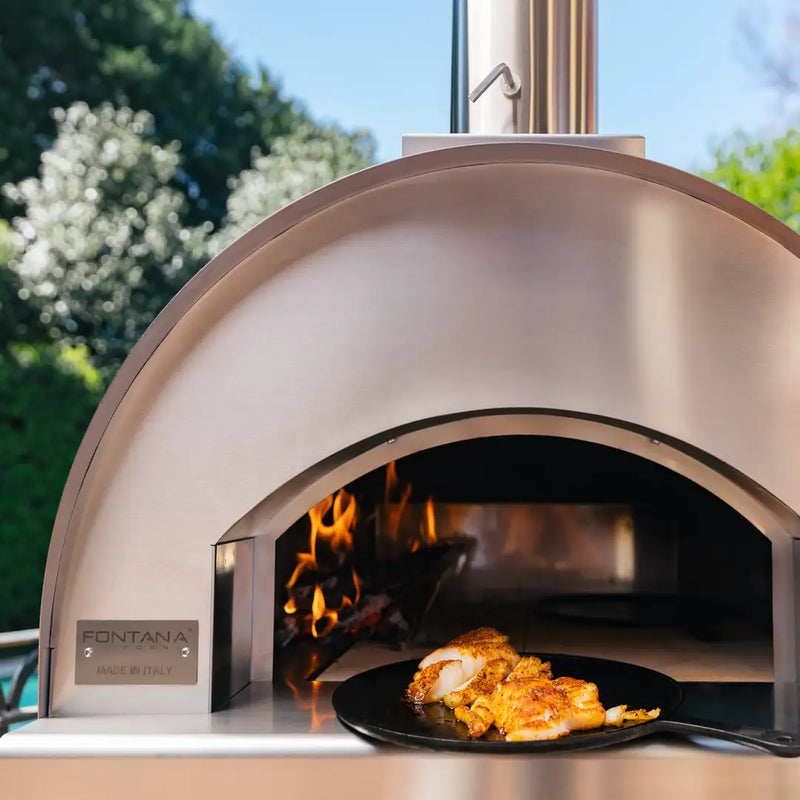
x=304 y=561
x=338 y=539
x=428 y=529
x=339 y=534
x=346 y=601
x=320 y=612
x=357 y=585
x=329 y=546
x=394 y=510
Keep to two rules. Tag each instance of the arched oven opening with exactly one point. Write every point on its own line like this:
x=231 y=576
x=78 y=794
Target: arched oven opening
x=576 y=536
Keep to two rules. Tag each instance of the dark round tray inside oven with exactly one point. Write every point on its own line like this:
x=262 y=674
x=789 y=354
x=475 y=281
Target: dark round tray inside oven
x=700 y=617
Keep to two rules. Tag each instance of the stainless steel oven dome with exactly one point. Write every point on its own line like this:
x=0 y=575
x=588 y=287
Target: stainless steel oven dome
x=453 y=294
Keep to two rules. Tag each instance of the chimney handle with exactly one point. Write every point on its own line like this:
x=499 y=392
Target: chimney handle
x=510 y=85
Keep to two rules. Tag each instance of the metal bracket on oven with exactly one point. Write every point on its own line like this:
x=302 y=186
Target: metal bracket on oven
x=511 y=84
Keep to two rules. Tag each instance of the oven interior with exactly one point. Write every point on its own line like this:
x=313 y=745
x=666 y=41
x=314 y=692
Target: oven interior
x=566 y=545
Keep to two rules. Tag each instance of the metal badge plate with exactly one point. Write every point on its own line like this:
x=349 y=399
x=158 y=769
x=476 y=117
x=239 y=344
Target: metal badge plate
x=127 y=652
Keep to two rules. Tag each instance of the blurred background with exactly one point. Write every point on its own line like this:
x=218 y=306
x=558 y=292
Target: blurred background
x=139 y=137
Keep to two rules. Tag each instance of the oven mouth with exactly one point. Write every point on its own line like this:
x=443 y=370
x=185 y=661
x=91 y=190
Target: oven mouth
x=248 y=602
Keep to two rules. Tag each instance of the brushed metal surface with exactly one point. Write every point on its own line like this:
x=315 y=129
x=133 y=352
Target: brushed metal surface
x=264 y=719
x=233 y=618
x=657 y=773
x=414 y=143
x=550 y=46
x=552 y=289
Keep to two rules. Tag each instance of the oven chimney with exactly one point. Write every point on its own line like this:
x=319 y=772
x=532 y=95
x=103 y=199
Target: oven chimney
x=524 y=66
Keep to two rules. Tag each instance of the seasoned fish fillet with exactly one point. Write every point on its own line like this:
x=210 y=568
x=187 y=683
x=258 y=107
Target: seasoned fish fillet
x=463 y=660
x=480 y=635
x=474 y=657
x=484 y=680
x=530 y=709
x=478 y=717
x=536 y=708
x=431 y=684
x=482 y=684
x=532 y=667
x=475 y=642
x=585 y=710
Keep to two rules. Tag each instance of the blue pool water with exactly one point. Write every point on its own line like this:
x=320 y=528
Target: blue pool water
x=30 y=693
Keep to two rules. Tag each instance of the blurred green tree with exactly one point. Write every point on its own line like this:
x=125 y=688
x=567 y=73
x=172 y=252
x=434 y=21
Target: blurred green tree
x=47 y=397
x=19 y=321
x=765 y=173
x=143 y=54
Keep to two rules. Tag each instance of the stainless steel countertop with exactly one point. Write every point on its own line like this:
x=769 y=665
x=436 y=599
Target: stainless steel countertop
x=262 y=720
x=280 y=741
x=652 y=772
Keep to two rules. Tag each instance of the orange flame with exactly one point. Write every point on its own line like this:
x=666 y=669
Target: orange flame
x=335 y=538
x=319 y=611
x=346 y=601
x=394 y=511
x=338 y=536
x=429 y=534
x=357 y=585
x=304 y=561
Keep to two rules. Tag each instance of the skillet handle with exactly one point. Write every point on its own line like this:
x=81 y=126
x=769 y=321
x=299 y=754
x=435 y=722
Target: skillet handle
x=779 y=743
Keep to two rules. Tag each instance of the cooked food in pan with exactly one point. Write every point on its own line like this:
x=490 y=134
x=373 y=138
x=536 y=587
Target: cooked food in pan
x=466 y=668
x=486 y=682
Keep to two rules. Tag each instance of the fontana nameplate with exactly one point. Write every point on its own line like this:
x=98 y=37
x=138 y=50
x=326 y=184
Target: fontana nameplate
x=117 y=652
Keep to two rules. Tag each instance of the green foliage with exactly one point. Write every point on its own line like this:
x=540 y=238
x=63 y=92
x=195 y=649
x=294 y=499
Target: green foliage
x=102 y=247
x=296 y=165
x=765 y=173
x=18 y=320
x=46 y=400
x=142 y=54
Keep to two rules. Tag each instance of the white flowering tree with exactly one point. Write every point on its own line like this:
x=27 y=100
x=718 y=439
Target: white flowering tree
x=295 y=166
x=101 y=247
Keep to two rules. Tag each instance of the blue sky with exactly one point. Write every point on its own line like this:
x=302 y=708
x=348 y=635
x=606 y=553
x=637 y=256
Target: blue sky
x=673 y=70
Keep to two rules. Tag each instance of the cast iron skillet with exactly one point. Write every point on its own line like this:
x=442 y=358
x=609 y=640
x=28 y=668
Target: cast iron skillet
x=373 y=704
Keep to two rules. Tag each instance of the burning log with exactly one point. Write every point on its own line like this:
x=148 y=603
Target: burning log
x=333 y=605
x=394 y=598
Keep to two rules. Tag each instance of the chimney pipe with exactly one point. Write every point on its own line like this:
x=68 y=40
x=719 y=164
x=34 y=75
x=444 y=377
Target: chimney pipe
x=549 y=49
